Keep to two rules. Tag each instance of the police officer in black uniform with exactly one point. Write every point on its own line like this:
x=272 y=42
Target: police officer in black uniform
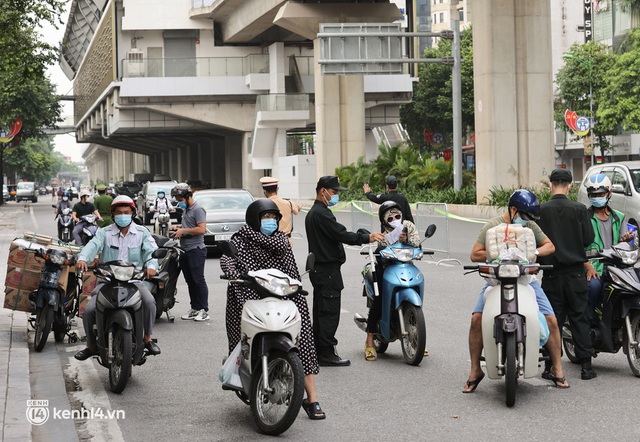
x=567 y=224
x=325 y=236
x=391 y=195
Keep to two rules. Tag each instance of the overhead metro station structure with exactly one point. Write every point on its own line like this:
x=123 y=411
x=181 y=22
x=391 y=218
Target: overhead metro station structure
x=224 y=91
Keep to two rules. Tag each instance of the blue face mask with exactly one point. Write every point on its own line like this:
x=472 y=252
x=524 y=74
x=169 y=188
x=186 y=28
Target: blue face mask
x=598 y=202
x=335 y=199
x=122 y=220
x=161 y=195
x=520 y=221
x=65 y=198
x=268 y=226
x=182 y=205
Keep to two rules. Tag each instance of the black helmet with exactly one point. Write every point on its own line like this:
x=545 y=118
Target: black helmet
x=526 y=203
x=258 y=208
x=384 y=208
x=182 y=190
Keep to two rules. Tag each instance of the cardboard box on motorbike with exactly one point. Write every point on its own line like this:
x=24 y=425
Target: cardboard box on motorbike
x=19 y=283
x=89 y=280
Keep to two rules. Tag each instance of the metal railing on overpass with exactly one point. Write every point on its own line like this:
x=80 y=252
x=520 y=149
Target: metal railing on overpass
x=195 y=66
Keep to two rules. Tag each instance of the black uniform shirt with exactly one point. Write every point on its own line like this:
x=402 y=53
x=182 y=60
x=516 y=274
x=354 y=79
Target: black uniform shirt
x=396 y=197
x=83 y=209
x=326 y=235
x=567 y=225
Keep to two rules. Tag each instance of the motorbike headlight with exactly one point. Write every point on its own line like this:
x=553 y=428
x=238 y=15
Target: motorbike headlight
x=628 y=257
x=58 y=259
x=123 y=274
x=277 y=285
x=402 y=254
x=509 y=271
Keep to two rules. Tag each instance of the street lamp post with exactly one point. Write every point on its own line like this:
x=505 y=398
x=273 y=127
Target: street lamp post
x=588 y=64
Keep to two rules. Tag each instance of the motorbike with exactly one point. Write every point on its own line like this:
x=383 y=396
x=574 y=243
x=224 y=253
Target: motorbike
x=402 y=291
x=164 y=283
x=162 y=222
x=510 y=322
x=271 y=376
x=54 y=309
x=617 y=322
x=89 y=228
x=119 y=323
x=65 y=222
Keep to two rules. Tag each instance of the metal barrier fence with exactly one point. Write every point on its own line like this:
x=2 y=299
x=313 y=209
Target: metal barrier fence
x=364 y=216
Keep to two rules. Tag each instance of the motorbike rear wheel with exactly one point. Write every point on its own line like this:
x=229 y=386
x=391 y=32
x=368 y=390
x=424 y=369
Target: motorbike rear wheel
x=380 y=346
x=44 y=319
x=274 y=412
x=510 y=375
x=570 y=350
x=120 y=368
x=59 y=327
x=413 y=344
x=633 y=354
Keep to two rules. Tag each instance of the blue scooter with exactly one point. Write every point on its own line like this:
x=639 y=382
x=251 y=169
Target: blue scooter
x=402 y=291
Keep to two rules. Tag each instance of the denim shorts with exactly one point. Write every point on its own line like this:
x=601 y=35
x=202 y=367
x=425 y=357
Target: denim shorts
x=543 y=303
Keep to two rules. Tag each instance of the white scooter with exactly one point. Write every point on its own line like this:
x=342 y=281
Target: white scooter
x=510 y=323
x=269 y=374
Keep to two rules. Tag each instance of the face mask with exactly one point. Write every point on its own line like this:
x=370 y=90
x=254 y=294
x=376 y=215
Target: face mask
x=598 y=202
x=520 y=221
x=65 y=198
x=334 y=199
x=122 y=220
x=268 y=226
x=182 y=205
x=396 y=223
x=161 y=195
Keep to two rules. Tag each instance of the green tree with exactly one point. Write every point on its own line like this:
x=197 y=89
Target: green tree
x=432 y=106
x=585 y=69
x=621 y=92
x=33 y=160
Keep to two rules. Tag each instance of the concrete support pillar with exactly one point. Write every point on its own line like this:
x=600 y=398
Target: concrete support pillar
x=513 y=93
x=277 y=68
x=340 y=129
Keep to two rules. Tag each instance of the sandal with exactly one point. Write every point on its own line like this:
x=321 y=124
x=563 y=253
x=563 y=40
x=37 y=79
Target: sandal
x=370 y=354
x=472 y=385
x=557 y=381
x=313 y=410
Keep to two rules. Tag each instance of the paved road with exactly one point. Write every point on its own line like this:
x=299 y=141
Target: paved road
x=176 y=396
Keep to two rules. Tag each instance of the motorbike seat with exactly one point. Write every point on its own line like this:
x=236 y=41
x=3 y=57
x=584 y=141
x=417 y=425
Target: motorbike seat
x=160 y=240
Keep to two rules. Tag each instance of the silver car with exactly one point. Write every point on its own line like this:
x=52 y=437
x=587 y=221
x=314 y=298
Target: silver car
x=625 y=187
x=226 y=210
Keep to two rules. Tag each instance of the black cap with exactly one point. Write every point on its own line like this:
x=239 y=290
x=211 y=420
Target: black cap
x=561 y=175
x=329 y=182
x=392 y=181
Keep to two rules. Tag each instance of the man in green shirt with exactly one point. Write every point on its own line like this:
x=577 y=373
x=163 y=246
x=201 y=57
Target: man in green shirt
x=103 y=205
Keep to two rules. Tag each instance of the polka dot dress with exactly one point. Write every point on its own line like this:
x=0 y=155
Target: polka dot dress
x=259 y=251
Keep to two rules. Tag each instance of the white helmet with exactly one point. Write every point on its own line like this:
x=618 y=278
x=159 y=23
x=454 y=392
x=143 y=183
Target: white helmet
x=599 y=183
x=84 y=193
x=123 y=200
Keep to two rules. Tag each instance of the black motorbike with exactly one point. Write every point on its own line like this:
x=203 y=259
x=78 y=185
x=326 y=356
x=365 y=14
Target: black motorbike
x=65 y=224
x=165 y=282
x=89 y=228
x=119 y=324
x=54 y=309
x=617 y=321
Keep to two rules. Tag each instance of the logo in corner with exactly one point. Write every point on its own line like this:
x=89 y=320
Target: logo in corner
x=37 y=411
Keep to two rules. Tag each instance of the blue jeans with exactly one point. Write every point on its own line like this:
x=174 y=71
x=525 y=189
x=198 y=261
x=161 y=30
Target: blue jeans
x=595 y=291
x=543 y=303
x=192 y=264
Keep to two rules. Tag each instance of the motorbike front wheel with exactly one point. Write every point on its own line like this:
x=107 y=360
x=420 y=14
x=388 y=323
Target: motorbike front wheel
x=413 y=344
x=66 y=235
x=60 y=327
x=275 y=411
x=44 y=319
x=633 y=353
x=510 y=375
x=163 y=230
x=120 y=368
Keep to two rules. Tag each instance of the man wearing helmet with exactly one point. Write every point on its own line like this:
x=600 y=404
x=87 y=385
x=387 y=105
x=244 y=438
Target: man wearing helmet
x=80 y=209
x=567 y=224
x=63 y=204
x=159 y=204
x=191 y=235
x=609 y=227
x=124 y=241
x=325 y=236
x=523 y=209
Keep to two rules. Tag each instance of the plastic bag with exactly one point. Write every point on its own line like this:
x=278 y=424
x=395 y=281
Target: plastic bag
x=544 y=329
x=230 y=372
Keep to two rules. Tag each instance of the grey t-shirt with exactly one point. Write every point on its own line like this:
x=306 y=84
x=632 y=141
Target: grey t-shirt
x=606 y=231
x=190 y=219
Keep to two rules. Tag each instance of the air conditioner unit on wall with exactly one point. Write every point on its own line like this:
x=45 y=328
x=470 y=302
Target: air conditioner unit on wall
x=135 y=63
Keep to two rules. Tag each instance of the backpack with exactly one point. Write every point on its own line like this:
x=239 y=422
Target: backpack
x=504 y=237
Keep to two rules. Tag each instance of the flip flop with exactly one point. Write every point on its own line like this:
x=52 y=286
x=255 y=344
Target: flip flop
x=370 y=354
x=557 y=381
x=473 y=384
x=313 y=410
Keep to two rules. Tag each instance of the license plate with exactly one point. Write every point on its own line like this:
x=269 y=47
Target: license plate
x=226 y=237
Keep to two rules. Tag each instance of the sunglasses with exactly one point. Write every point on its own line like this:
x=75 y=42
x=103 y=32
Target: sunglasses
x=391 y=218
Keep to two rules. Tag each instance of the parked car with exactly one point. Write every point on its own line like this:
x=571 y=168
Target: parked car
x=128 y=188
x=5 y=193
x=625 y=187
x=27 y=190
x=148 y=194
x=73 y=193
x=225 y=213
x=196 y=185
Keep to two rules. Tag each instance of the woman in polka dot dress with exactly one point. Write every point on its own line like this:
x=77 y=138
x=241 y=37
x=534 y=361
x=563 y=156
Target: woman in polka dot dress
x=261 y=246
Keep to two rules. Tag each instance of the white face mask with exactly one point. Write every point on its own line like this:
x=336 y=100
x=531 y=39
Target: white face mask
x=396 y=223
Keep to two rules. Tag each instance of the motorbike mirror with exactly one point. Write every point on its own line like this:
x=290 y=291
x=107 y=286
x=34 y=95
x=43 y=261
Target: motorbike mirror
x=363 y=232
x=592 y=253
x=137 y=220
x=159 y=253
x=430 y=231
x=311 y=262
x=53 y=205
x=228 y=248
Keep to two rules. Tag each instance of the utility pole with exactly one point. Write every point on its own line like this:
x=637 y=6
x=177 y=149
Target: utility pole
x=456 y=80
